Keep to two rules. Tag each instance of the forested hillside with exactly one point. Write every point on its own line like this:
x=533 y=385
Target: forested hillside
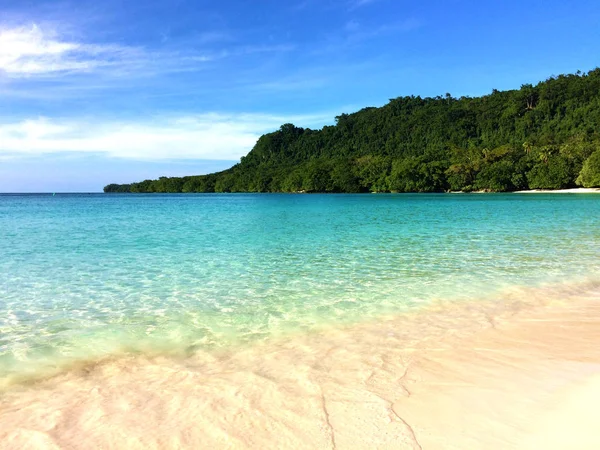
x=538 y=137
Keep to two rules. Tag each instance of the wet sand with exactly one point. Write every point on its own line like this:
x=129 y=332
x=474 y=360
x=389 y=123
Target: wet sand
x=522 y=371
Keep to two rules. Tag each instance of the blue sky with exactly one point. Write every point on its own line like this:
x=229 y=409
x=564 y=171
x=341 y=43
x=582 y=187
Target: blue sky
x=115 y=91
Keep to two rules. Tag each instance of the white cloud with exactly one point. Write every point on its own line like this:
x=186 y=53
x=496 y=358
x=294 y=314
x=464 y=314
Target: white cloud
x=35 y=51
x=27 y=51
x=206 y=136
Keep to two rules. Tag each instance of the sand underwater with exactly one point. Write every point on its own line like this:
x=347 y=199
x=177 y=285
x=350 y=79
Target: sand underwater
x=283 y=321
x=523 y=373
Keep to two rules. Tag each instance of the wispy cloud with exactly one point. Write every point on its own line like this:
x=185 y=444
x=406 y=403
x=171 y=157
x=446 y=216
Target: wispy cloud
x=354 y=4
x=210 y=37
x=30 y=51
x=354 y=32
x=357 y=32
x=209 y=136
x=33 y=51
x=298 y=84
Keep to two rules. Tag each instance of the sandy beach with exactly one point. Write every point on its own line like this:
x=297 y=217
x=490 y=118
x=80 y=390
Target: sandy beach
x=494 y=374
x=561 y=191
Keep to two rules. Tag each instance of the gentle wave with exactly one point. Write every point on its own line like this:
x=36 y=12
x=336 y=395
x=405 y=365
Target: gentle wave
x=83 y=278
x=473 y=313
x=353 y=386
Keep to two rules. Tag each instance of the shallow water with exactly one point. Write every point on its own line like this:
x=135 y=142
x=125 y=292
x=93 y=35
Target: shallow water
x=86 y=277
x=495 y=374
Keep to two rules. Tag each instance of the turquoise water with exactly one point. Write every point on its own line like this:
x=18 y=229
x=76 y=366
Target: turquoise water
x=88 y=276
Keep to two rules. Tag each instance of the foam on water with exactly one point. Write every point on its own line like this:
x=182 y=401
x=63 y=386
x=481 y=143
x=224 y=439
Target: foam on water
x=85 y=277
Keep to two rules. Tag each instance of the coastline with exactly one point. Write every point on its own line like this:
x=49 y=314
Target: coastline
x=537 y=191
x=493 y=374
x=561 y=191
x=528 y=191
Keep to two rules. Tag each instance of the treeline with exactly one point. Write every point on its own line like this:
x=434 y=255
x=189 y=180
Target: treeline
x=538 y=137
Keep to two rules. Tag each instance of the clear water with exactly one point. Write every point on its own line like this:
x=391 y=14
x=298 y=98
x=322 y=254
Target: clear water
x=88 y=276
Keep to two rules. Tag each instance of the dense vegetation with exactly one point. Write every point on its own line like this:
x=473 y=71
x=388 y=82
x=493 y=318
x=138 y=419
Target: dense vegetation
x=538 y=137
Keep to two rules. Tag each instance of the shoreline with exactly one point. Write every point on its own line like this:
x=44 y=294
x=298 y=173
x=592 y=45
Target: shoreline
x=536 y=191
x=561 y=191
x=527 y=191
x=494 y=374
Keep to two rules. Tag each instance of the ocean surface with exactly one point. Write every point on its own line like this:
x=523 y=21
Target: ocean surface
x=85 y=277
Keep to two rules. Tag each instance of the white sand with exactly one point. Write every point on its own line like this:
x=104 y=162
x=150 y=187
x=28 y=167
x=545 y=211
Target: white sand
x=561 y=191
x=521 y=373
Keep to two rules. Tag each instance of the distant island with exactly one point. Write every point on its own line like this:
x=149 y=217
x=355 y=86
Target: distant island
x=538 y=137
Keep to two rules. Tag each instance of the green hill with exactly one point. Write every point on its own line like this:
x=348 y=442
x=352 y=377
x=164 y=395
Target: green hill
x=538 y=137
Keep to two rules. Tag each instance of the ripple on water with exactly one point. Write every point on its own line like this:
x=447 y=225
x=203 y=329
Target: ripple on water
x=87 y=277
